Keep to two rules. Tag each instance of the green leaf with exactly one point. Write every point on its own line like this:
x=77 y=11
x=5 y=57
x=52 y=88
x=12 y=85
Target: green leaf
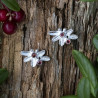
x=83 y=90
x=86 y=68
x=95 y=41
x=88 y=0
x=3 y=75
x=71 y=96
x=93 y=96
x=11 y=4
x=96 y=70
x=93 y=91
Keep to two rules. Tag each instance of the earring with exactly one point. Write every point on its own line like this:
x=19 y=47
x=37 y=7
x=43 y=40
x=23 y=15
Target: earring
x=64 y=36
x=36 y=57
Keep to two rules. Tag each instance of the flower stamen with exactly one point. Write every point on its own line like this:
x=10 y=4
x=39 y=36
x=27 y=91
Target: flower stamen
x=39 y=63
x=62 y=34
x=68 y=41
x=34 y=55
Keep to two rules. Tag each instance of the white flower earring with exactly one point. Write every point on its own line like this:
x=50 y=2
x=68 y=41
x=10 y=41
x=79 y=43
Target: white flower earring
x=36 y=57
x=64 y=36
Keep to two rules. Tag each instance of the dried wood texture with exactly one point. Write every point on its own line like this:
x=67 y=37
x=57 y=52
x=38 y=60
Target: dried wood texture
x=60 y=75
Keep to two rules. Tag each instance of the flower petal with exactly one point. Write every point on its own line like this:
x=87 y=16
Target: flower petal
x=40 y=53
x=59 y=29
x=73 y=36
x=64 y=30
x=36 y=51
x=65 y=39
x=34 y=62
x=45 y=58
x=55 y=33
x=25 y=53
x=69 y=32
x=56 y=38
x=32 y=50
x=62 y=41
x=26 y=59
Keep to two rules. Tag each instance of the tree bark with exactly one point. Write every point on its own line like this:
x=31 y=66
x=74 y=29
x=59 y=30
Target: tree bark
x=60 y=75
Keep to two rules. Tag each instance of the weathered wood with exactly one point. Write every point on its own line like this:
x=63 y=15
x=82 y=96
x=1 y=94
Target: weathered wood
x=60 y=75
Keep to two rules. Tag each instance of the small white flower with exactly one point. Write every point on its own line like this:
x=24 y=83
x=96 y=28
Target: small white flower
x=34 y=56
x=64 y=36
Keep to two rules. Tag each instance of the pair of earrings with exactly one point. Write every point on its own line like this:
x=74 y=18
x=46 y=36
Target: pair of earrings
x=37 y=57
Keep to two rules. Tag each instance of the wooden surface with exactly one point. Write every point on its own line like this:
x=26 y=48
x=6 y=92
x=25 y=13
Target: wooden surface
x=59 y=76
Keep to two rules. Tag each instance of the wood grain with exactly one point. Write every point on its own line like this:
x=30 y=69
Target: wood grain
x=59 y=76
